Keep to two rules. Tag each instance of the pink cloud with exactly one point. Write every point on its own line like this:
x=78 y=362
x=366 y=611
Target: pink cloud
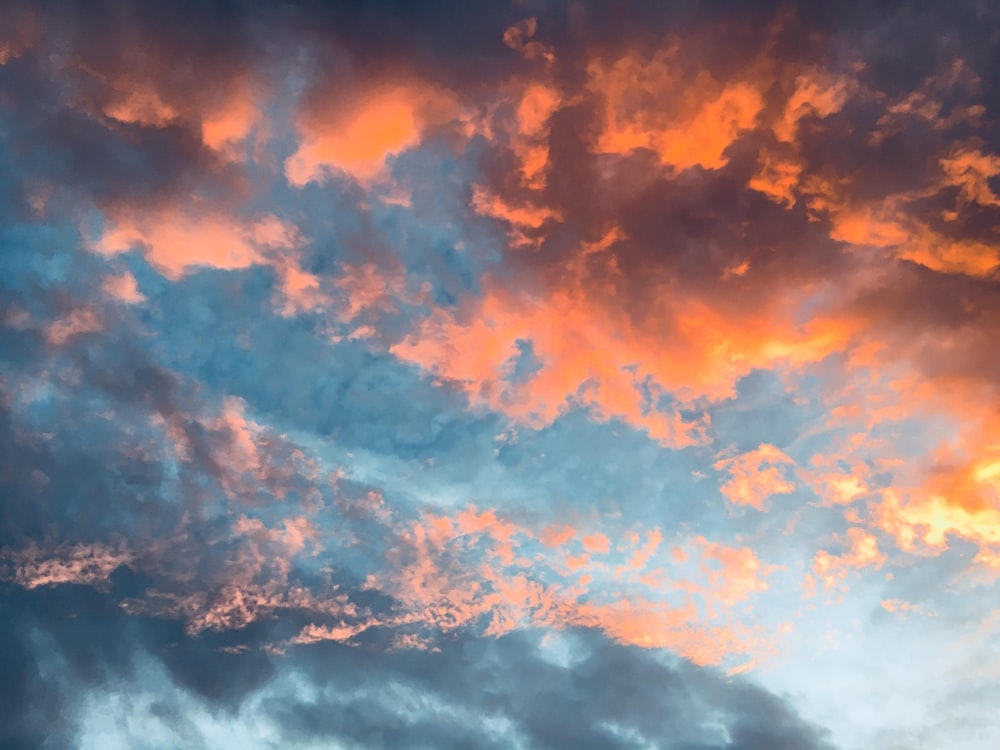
x=82 y=564
x=124 y=288
x=79 y=321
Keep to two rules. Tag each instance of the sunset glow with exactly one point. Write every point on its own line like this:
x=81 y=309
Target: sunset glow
x=500 y=375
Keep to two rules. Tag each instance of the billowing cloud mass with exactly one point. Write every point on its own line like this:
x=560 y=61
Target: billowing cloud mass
x=507 y=374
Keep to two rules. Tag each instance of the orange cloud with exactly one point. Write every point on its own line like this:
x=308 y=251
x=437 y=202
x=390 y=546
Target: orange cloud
x=640 y=622
x=942 y=254
x=457 y=570
x=926 y=103
x=138 y=101
x=596 y=543
x=232 y=120
x=692 y=123
x=778 y=177
x=642 y=555
x=874 y=224
x=735 y=573
x=592 y=354
x=439 y=597
x=223 y=112
x=817 y=94
x=357 y=133
x=179 y=239
x=576 y=365
x=238 y=603
x=886 y=222
x=537 y=104
x=524 y=219
x=951 y=490
x=439 y=588
x=969 y=169
x=838 y=487
x=756 y=476
x=900 y=605
x=889 y=223
x=341 y=633
x=175 y=241
x=861 y=551
x=930 y=519
x=553 y=536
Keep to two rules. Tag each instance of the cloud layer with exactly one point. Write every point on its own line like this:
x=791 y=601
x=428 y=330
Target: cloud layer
x=521 y=375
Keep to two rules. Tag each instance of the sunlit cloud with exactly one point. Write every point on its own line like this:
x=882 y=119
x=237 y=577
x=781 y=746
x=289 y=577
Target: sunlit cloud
x=390 y=376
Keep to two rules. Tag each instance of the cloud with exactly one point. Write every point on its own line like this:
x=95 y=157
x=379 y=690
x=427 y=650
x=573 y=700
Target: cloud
x=861 y=550
x=756 y=476
x=364 y=363
x=77 y=322
x=123 y=288
x=698 y=121
x=80 y=564
x=291 y=697
x=355 y=132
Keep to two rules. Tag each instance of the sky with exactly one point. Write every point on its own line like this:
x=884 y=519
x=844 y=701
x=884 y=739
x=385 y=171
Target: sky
x=525 y=374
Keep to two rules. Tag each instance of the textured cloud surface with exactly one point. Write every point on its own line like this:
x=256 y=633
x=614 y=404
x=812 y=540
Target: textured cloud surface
x=515 y=375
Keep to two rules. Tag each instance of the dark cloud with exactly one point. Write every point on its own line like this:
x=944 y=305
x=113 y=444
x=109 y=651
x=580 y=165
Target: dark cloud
x=58 y=141
x=607 y=696
x=65 y=643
